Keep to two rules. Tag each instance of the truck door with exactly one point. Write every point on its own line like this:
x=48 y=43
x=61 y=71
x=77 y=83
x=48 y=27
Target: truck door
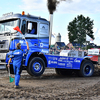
x=32 y=35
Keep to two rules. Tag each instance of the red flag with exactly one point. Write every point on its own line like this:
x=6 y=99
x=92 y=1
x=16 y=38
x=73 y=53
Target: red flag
x=17 y=28
x=91 y=39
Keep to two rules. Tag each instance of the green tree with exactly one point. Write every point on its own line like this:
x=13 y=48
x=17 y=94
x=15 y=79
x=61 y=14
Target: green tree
x=78 y=29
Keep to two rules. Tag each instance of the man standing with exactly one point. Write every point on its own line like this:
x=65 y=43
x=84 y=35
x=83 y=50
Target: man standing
x=17 y=56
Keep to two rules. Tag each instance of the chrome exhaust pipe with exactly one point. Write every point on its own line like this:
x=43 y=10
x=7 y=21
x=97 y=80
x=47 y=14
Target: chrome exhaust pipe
x=51 y=24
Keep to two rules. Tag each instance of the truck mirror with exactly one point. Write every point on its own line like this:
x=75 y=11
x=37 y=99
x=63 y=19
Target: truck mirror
x=29 y=26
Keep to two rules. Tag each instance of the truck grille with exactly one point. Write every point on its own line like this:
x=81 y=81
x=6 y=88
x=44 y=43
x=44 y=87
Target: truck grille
x=2 y=56
x=4 y=45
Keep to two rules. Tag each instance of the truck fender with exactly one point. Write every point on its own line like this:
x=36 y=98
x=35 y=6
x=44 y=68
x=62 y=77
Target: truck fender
x=27 y=58
x=88 y=57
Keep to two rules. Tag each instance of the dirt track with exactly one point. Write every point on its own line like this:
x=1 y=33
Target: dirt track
x=50 y=87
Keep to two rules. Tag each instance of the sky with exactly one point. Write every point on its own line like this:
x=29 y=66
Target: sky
x=65 y=12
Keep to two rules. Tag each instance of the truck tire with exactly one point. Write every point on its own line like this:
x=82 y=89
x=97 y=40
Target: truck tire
x=87 y=69
x=63 y=72
x=36 y=66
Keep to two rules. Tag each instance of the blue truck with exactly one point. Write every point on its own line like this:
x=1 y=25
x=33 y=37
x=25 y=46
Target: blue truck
x=38 y=57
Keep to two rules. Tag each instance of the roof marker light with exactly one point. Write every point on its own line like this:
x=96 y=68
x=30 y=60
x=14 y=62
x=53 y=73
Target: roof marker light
x=23 y=13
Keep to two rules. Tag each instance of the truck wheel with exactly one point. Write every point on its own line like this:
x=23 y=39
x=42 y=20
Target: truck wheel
x=87 y=69
x=36 y=67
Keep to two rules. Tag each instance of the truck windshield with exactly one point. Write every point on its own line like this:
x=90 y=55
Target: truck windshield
x=8 y=25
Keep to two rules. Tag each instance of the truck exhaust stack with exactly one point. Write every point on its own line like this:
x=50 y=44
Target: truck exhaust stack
x=51 y=23
x=51 y=4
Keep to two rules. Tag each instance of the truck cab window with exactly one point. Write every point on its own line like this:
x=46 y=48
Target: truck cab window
x=23 y=29
x=33 y=28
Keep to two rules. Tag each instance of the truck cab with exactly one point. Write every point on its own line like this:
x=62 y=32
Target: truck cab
x=38 y=42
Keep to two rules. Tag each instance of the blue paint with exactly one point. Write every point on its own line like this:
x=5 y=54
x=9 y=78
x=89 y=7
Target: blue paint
x=63 y=62
x=35 y=45
x=37 y=66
